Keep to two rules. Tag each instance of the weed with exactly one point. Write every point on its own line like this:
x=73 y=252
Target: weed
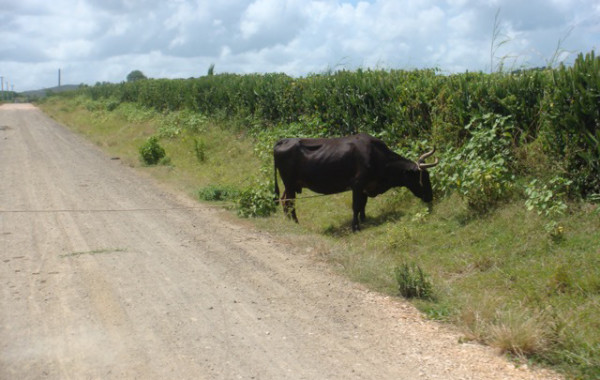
x=561 y=280
x=518 y=334
x=151 y=151
x=256 y=201
x=413 y=283
x=437 y=311
x=555 y=230
x=547 y=199
x=217 y=193
x=479 y=171
x=170 y=125
x=420 y=216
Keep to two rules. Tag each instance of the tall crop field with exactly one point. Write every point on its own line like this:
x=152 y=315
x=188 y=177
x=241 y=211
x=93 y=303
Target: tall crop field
x=552 y=111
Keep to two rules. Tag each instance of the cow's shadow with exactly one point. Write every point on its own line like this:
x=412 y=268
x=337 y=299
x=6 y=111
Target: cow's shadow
x=373 y=220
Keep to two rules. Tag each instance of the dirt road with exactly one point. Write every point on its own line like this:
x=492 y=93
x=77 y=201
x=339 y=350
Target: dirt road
x=106 y=275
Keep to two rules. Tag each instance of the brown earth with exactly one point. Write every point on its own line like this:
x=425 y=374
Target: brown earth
x=105 y=274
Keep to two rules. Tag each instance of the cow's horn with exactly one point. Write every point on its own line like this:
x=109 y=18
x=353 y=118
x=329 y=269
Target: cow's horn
x=425 y=155
x=425 y=166
x=421 y=161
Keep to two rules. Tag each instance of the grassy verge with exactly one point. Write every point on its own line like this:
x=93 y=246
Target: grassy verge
x=227 y=157
x=505 y=278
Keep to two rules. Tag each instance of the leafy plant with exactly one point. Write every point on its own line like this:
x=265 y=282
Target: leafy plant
x=555 y=230
x=256 y=201
x=547 y=199
x=217 y=193
x=170 y=125
x=413 y=283
x=151 y=151
x=480 y=170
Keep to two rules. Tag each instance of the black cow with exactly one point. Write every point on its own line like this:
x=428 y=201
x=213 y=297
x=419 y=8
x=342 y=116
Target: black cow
x=361 y=163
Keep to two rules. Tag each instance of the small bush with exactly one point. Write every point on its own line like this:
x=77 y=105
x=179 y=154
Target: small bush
x=217 y=193
x=547 y=199
x=479 y=171
x=256 y=202
x=112 y=104
x=151 y=152
x=170 y=125
x=413 y=283
x=195 y=122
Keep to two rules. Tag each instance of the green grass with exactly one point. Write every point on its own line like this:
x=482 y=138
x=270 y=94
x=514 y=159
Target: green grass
x=502 y=277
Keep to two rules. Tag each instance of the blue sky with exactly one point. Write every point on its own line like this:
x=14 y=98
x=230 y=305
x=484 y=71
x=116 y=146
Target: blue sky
x=104 y=40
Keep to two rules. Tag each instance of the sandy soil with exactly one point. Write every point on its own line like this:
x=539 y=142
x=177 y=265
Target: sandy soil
x=105 y=274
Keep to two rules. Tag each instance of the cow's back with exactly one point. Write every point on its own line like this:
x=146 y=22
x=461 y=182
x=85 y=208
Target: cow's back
x=323 y=165
x=284 y=146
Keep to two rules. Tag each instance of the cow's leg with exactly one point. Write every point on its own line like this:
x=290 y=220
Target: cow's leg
x=359 y=201
x=289 y=204
x=285 y=204
x=292 y=200
x=363 y=215
x=294 y=217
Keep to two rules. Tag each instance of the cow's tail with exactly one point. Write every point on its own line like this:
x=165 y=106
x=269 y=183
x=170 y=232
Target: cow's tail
x=276 y=198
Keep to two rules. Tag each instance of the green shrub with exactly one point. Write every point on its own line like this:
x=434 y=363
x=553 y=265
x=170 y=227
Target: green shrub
x=170 y=125
x=413 y=283
x=194 y=122
x=112 y=104
x=480 y=170
x=547 y=199
x=152 y=152
x=256 y=201
x=217 y=193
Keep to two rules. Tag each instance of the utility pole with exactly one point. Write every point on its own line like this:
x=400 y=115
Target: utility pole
x=58 y=77
x=2 y=80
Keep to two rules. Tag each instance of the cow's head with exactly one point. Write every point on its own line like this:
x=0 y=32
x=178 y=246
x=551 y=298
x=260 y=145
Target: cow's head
x=418 y=182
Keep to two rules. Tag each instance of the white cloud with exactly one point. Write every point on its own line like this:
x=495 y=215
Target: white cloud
x=103 y=40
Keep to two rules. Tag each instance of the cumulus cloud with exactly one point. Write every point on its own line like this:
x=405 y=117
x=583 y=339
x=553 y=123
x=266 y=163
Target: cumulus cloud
x=104 y=40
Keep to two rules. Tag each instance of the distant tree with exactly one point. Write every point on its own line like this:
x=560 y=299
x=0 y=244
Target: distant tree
x=211 y=70
x=135 y=75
